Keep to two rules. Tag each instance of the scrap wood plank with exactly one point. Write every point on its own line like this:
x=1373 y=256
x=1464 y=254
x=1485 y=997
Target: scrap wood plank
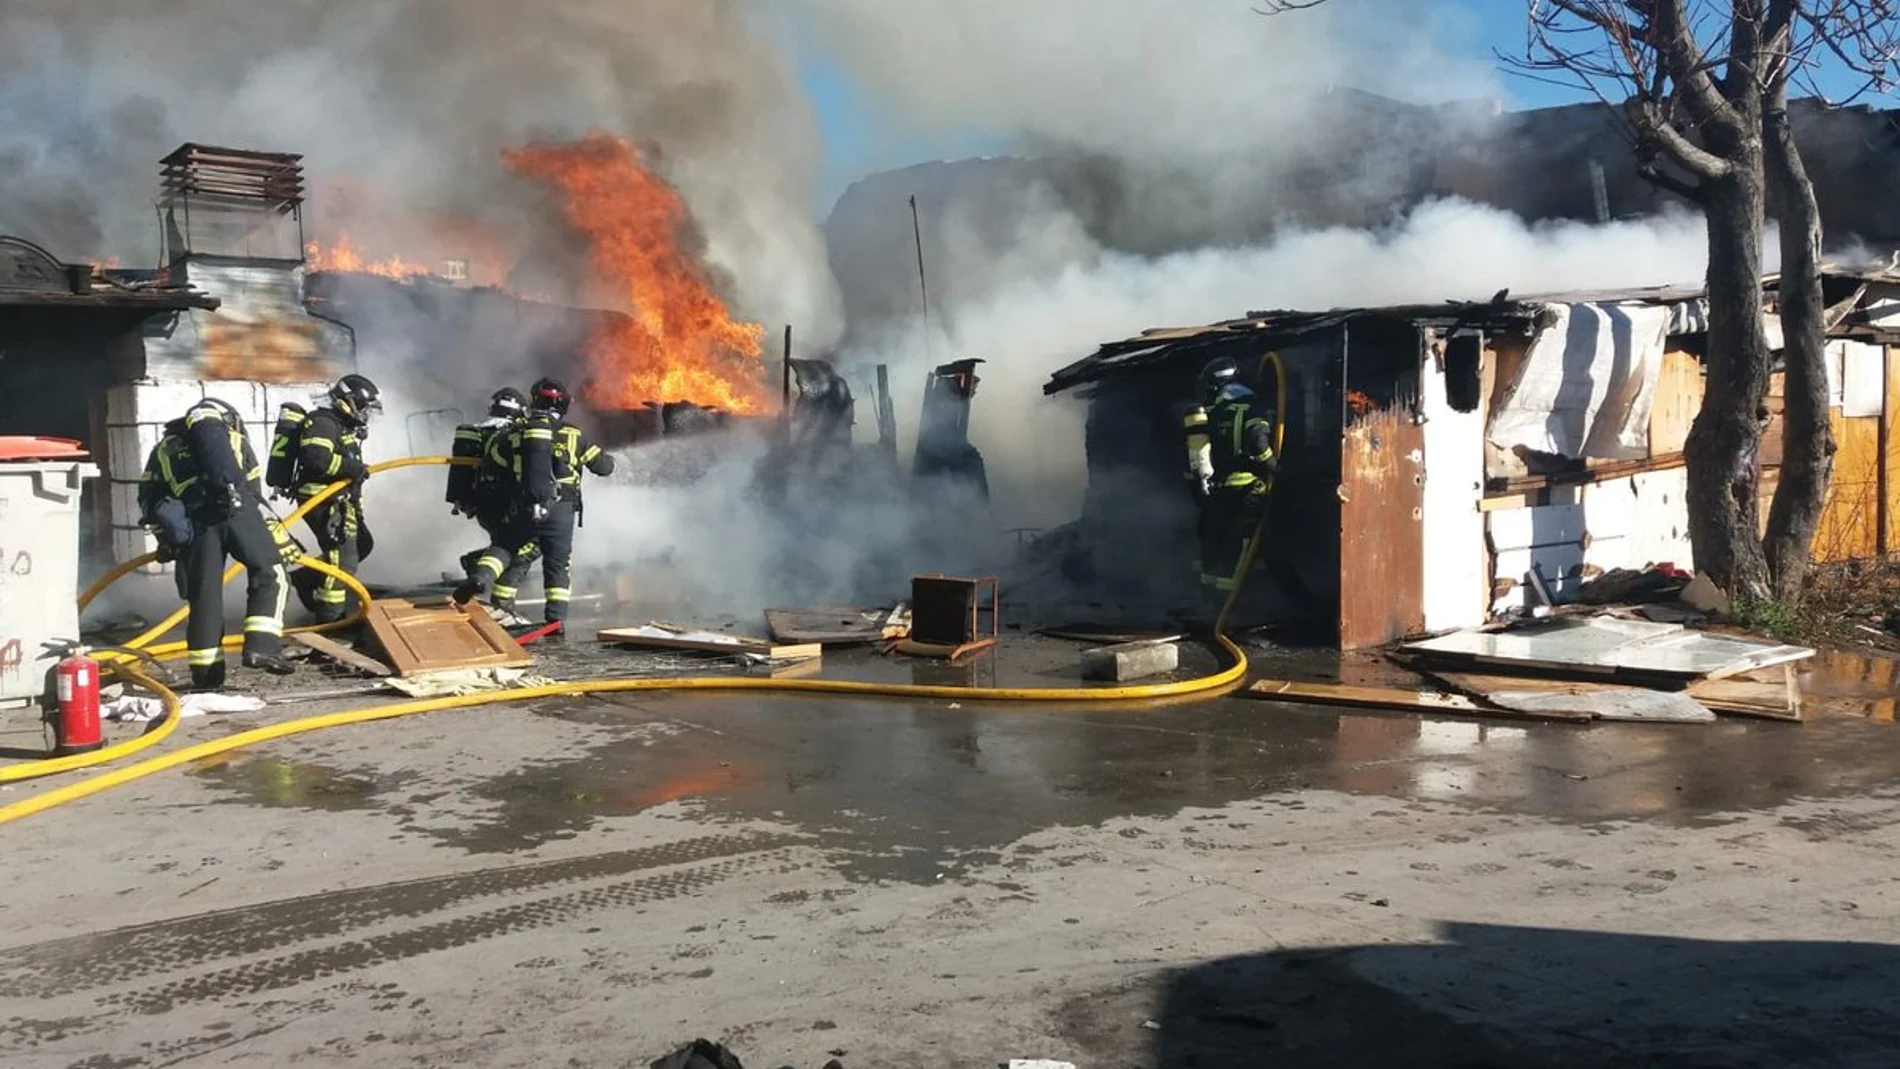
x=1768 y=701
x=1393 y=698
x=422 y=639
x=340 y=653
x=681 y=639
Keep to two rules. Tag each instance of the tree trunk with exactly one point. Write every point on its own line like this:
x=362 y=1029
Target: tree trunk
x=1723 y=449
x=1807 y=456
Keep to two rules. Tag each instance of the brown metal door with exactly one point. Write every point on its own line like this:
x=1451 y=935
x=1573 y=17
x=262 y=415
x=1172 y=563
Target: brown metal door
x=1381 y=528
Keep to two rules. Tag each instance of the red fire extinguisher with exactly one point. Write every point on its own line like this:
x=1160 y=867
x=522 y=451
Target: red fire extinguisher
x=76 y=713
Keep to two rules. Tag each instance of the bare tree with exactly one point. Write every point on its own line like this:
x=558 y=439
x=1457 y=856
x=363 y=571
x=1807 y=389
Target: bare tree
x=1704 y=88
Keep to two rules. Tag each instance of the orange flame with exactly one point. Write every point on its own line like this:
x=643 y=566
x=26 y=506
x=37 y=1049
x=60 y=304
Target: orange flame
x=679 y=341
x=344 y=256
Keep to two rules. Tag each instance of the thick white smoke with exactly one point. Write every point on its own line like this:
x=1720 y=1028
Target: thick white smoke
x=1058 y=296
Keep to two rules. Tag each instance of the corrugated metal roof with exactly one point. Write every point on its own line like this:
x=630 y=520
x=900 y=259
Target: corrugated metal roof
x=1163 y=344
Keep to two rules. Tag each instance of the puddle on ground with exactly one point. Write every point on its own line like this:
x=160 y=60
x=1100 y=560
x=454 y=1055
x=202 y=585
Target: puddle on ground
x=1852 y=683
x=277 y=783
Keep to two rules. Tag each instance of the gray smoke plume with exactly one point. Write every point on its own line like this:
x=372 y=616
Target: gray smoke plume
x=411 y=101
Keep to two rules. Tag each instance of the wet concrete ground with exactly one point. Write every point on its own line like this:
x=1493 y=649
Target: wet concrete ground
x=587 y=881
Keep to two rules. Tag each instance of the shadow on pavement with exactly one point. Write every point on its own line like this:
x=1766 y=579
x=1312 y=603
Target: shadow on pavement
x=1532 y=998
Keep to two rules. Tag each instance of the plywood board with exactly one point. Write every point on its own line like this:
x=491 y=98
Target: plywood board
x=1573 y=699
x=1634 y=704
x=1890 y=455
x=1735 y=697
x=1678 y=398
x=701 y=642
x=422 y=639
x=1393 y=699
x=1849 y=526
x=339 y=653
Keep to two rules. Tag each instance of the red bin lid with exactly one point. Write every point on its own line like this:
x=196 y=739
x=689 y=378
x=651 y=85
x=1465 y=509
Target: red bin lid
x=27 y=447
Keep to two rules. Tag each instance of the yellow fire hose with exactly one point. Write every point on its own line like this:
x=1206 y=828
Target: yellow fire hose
x=1233 y=674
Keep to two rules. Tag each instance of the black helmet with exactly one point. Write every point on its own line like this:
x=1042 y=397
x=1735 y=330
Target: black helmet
x=356 y=398
x=507 y=403
x=1217 y=376
x=548 y=395
x=226 y=412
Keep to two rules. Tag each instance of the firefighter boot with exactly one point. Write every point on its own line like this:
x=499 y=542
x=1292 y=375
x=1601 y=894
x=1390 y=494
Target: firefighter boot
x=274 y=663
x=208 y=677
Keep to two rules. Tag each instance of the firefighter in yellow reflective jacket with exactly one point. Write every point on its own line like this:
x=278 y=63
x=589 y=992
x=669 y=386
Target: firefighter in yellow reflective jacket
x=1230 y=458
x=546 y=455
x=330 y=449
x=202 y=493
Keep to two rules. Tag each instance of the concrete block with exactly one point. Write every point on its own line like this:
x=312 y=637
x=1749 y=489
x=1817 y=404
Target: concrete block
x=307 y=394
x=247 y=397
x=125 y=504
x=160 y=402
x=1130 y=660
x=123 y=455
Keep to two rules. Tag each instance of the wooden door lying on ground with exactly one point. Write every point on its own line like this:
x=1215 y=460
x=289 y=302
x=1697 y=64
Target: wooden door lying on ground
x=421 y=639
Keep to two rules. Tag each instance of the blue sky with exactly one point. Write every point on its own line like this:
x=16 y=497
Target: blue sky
x=861 y=138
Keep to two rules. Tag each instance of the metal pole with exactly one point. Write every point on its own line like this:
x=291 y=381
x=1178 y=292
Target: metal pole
x=788 y=370
x=923 y=284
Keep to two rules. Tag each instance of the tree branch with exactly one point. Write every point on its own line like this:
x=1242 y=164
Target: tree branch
x=1671 y=35
x=1661 y=179
x=1656 y=128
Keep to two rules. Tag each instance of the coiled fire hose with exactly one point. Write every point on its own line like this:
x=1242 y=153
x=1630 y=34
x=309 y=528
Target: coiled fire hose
x=1231 y=675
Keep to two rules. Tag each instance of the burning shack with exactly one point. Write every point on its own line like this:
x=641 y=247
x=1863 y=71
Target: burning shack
x=1444 y=463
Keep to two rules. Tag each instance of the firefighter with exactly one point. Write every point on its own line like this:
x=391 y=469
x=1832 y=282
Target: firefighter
x=546 y=454
x=202 y=494
x=1230 y=462
x=485 y=491
x=331 y=449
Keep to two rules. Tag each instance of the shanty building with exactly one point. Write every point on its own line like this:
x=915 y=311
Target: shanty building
x=1446 y=463
x=109 y=357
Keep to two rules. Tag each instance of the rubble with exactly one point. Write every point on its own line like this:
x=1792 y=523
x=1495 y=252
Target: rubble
x=672 y=637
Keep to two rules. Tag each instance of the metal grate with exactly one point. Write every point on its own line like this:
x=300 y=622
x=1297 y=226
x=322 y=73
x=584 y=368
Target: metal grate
x=237 y=178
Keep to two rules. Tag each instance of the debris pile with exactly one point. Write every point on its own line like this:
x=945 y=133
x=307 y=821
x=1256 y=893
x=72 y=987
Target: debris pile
x=1581 y=669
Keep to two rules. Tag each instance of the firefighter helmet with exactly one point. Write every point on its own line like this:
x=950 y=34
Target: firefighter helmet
x=507 y=403
x=226 y=411
x=548 y=395
x=1217 y=376
x=356 y=399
